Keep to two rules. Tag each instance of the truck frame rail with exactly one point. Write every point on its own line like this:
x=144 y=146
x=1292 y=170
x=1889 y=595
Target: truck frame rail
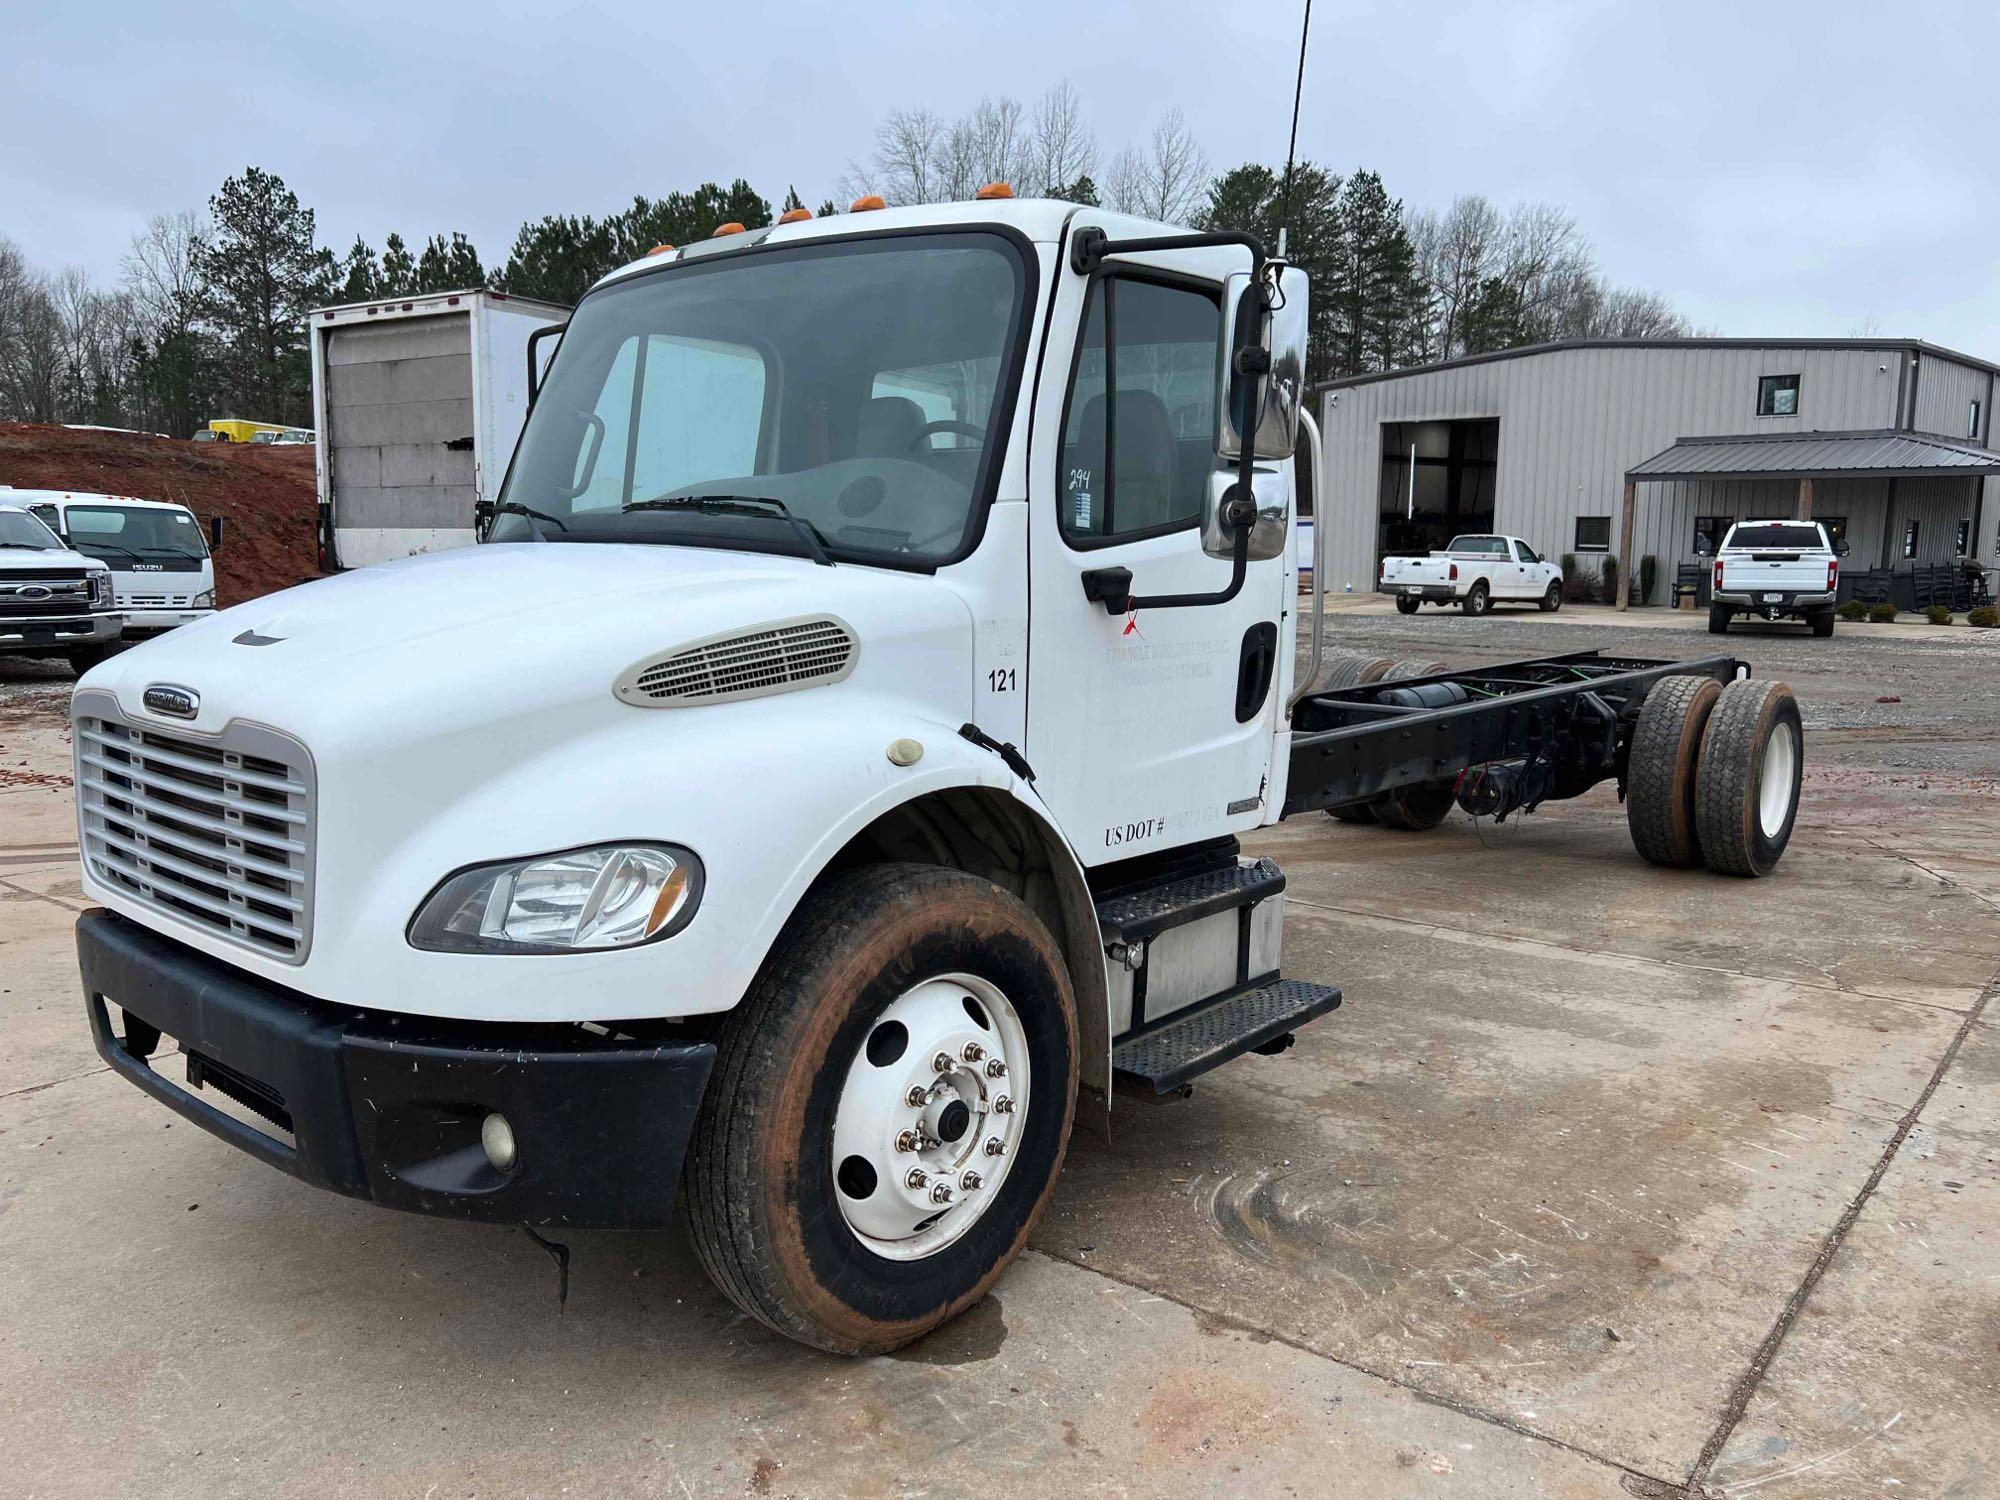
x=1572 y=712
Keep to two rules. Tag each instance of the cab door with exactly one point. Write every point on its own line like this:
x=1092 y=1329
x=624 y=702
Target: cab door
x=1152 y=729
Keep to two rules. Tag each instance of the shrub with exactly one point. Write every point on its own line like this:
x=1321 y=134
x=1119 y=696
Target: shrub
x=1608 y=572
x=1937 y=614
x=1853 y=609
x=1881 y=614
x=1985 y=617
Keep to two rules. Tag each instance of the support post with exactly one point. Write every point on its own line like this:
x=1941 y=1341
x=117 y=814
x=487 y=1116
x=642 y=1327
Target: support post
x=1625 y=545
x=1805 y=497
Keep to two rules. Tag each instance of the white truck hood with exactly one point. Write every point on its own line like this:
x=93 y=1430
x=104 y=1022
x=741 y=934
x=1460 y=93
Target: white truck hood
x=480 y=638
x=17 y=560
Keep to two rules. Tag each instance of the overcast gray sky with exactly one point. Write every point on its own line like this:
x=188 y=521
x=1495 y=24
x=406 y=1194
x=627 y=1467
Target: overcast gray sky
x=1785 y=169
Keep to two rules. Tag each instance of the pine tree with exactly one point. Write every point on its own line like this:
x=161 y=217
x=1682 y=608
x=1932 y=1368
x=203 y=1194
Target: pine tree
x=260 y=274
x=1251 y=198
x=1083 y=191
x=360 y=273
x=792 y=200
x=449 y=265
x=399 y=268
x=1375 y=296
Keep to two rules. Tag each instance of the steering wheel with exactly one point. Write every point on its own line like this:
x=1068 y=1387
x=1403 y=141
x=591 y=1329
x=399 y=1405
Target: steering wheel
x=922 y=435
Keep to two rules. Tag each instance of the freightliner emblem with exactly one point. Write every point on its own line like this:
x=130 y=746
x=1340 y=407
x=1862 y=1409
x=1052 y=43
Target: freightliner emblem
x=175 y=702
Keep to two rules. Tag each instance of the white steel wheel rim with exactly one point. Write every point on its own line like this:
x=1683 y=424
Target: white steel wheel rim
x=905 y=1127
x=1774 y=782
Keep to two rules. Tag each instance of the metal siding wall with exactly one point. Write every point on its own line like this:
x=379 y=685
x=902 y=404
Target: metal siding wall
x=1937 y=506
x=1573 y=420
x=1945 y=393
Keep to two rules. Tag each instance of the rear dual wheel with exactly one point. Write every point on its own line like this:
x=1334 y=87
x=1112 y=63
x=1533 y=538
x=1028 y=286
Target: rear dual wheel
x=1714 y=774
x=888 y=1110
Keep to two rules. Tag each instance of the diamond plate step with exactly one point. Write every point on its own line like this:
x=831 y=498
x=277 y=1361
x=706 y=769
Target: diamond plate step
x=1187 y=1045
x=1137 y=915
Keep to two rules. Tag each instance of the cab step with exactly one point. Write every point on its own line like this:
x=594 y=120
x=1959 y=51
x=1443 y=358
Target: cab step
x=1133 y=916
x=1171 y=1054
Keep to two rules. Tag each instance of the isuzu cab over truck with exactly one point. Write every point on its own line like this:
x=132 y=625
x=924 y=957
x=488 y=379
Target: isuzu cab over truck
x=823 y=783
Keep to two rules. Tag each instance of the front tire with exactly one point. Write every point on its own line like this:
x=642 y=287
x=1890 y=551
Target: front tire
x=83 y=658
x=1416 y=809
x=1552 y=600
x=1718 y=619
x=1478 y=601
x=797 y=1187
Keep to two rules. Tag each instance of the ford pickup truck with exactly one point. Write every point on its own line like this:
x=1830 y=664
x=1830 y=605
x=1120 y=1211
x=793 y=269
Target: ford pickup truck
x=1776 y=569
x=53 y=602
x=1475 y=573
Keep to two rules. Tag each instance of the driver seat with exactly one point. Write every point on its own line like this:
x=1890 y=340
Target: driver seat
x=888 y=428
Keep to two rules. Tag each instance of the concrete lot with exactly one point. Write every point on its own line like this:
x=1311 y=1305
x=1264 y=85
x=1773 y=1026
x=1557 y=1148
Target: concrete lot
x=1606 y=1181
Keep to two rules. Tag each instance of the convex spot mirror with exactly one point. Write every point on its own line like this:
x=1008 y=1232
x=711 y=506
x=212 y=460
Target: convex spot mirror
x=1281 y=330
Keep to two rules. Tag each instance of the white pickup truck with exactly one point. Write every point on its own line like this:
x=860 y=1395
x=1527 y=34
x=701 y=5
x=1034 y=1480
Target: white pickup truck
x=1777 y=569
x=1475 y=573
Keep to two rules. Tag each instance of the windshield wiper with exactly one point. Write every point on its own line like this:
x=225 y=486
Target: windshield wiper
x=516 y=508
x=741 y=504
x=29 y=546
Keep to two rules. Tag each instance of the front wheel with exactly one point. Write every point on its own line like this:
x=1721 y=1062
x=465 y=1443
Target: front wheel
x=1478 y=601
x=1405 y=605
x=888 y=1111
x=1552 y=600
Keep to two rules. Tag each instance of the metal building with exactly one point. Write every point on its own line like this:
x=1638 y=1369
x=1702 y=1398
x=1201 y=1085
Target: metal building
x=1630 y=448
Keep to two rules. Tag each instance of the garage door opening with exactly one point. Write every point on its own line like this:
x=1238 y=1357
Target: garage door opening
x=1437 y=481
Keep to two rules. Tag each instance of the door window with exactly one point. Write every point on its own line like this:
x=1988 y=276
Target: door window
x=1139 y=435
x=1524 y=553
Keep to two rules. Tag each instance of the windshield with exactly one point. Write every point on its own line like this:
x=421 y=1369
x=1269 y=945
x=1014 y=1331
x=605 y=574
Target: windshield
x=19 y=529
x=113 y=532
x=864 y=385
x=1790 y=537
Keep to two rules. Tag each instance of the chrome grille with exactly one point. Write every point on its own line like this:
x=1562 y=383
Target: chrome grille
x=57 y=595
x=217 y=831
x=797 y=654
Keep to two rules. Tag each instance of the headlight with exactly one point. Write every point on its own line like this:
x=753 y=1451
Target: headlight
x=607 y=896
x=204 y=600
x=100 y=590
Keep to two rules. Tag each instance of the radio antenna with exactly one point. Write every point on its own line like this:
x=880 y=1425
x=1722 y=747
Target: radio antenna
x=1291 y=150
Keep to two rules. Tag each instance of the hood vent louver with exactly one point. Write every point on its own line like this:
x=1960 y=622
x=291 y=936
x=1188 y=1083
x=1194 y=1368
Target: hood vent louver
x=778 y=658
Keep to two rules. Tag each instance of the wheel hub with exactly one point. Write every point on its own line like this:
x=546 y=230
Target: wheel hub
x=928 y=1116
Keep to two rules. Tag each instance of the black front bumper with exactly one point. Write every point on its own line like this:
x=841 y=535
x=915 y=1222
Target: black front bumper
x=389 y=1108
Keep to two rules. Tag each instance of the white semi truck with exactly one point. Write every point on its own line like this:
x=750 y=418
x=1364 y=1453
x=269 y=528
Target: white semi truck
x=824 y=782
x=418 y=402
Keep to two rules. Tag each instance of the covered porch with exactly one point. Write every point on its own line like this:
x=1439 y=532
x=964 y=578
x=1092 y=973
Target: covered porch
x=1908 y=505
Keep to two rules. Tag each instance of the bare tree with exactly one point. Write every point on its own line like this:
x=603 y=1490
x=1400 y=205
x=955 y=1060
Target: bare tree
x=159 y=272
x=1171 y=180
x=905 y=166
x=1061 y=149
x=1455 y=252
x=1125 y=183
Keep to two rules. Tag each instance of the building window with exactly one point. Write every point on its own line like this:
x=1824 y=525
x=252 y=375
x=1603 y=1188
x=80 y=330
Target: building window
x=1593 y=533
x=1964 y=542
x=1709 y=532
x=1972 y=423
x=1836 y=529
x=1909 y=539
x=1778 y=396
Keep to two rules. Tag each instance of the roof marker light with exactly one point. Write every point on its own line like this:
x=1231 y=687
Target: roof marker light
x=732 y=227
x=995 y=190
x=658 y=250
x=867 y=203
x=795 y=216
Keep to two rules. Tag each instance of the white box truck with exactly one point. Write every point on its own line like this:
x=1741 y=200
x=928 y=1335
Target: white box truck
x=418 y=402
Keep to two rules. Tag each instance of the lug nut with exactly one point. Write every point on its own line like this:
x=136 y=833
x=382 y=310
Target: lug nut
x=995 y=1146
x=941 y=1193
x=972 y=1052
x=916 y=1177
x=969 y=1181
x=941 y=1063
x=996 y=1069
x=908 y=1140
x=916 y=1096
x=1003 y=1104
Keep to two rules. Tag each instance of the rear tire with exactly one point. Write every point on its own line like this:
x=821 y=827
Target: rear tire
x=1718 y=619
x=1416 y=809
x=1552 y=600
x=1478 y=601
x=1406 y=605
x=1352 y=812
x=83 y=658
x=1747 y=783
x=1822 y=622
x=771 y=1212
x=1661 y=769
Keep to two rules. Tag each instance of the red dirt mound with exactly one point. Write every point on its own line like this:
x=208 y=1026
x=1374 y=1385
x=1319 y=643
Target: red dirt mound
x=264 y=494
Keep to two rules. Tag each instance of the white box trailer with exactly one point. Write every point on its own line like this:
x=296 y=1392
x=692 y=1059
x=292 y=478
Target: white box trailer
x=418 y=402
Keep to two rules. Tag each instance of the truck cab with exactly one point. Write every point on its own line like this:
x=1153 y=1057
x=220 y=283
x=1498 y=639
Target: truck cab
x=53 y=601
x=820 y=786
x=162 y=567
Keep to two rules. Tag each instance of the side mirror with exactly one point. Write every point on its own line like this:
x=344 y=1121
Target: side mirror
x=1701 y=546
x=1281 y=330
x=215 y=533
x=1841 y=549
x=538 y=363
x=1222 y=510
